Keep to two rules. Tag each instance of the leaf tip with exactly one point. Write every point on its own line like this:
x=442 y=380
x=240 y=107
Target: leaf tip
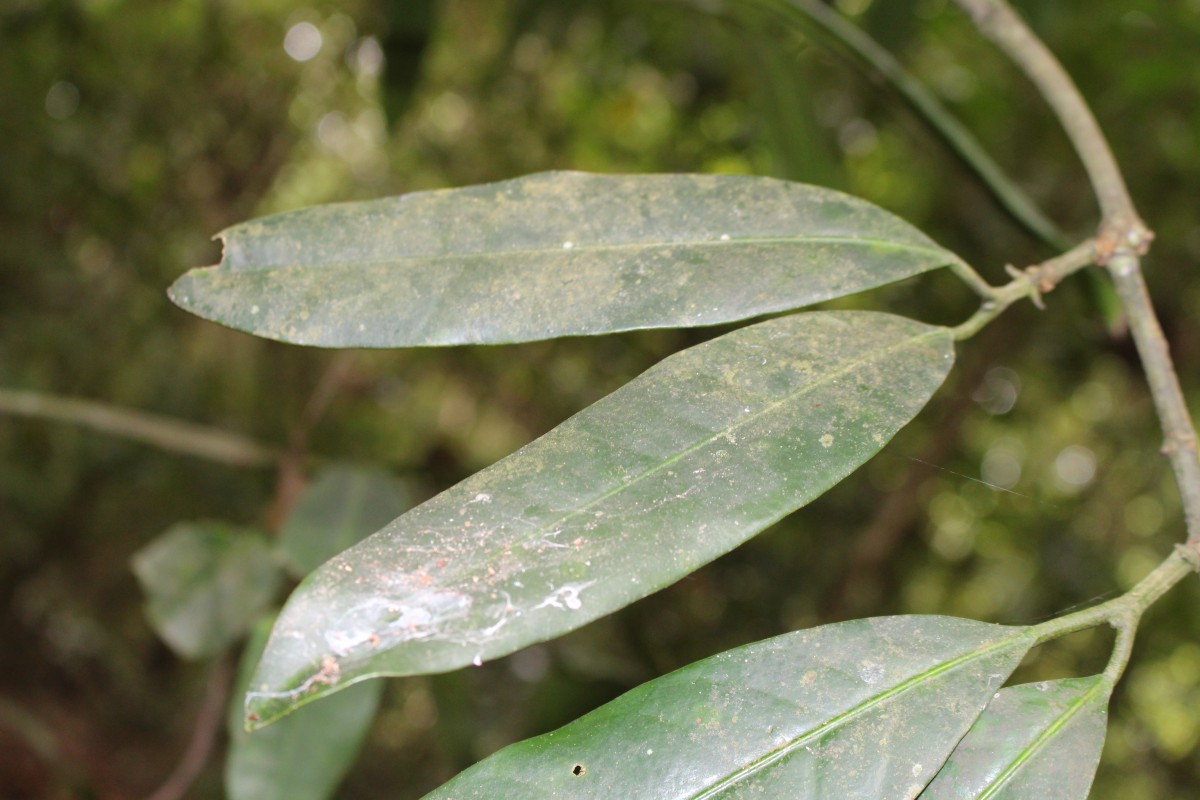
x=178 y=292
x=259 y=712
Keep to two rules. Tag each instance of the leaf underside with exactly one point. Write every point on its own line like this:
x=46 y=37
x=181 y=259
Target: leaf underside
x=862 y=709
x=548 y=255
x=678 y=467
x=1038 y=740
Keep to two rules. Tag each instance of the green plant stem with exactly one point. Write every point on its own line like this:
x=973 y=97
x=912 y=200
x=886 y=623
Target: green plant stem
x=158 y=431
x=927 y=106
x=973 y=279
x=1124 y=612
x=1122 y=650
x=1031 y=282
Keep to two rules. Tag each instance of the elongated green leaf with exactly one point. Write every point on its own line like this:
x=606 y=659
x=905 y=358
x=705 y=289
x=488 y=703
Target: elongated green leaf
x=1037 y=740
x=205 y=584
x=344 y=504
x=683 y=464
x=553 y=254
x=863 y=709
x=305 y=756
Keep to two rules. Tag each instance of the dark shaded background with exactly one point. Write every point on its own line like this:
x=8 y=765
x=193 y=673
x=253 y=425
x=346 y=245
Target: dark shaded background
x=131 y=132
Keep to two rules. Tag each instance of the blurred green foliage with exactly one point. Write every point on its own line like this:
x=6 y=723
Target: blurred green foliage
x=131 y=132
x=205 y=585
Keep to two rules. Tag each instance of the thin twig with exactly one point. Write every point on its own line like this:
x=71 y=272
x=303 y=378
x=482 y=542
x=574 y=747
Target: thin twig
x=1123 y=613
x=1032 y=282
x=1121 y=226
x=332 y=381
x=1123 y=237
x=1053 y=271
x=1128 y=608
x=935 y=114
x=291 y=478
x=1179 y=434
x=158 y=431
x=204 y=735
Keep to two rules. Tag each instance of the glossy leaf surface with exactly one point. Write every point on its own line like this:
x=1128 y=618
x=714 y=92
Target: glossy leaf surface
x=305 y=756
x=862 y=709
x=344 y=504
x=1038 y=740
x=684 y=463
x=553 y=254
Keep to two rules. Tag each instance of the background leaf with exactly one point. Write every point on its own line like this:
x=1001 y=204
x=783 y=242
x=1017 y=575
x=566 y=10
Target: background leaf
x=1038 y=740
x=305 y=756
x=205 y=584
x=553 y=254
x=343 y=504
x=862 y=709
x=681 y=465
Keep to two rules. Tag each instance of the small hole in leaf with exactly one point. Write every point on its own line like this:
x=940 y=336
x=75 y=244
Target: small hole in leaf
x=578 y=769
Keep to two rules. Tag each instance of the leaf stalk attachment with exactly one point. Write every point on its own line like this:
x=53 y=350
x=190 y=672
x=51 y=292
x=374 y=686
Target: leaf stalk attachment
x=1124 y=613
x=1031 y=282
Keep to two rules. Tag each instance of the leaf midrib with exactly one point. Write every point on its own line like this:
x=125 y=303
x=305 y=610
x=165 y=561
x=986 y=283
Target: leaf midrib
x=764 y=761
x=1041 y=740
x=723 y=433
x=247 y=265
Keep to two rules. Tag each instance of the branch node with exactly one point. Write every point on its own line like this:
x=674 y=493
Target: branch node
x=1120 y=235
x=1178 y=441
x=1028 y=278
x=1190 y=553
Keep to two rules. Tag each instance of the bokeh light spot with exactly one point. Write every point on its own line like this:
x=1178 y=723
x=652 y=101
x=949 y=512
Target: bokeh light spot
x=1001 y=465
x=62 y=100
x=1075 y=466
x=368 y=57
x=997 y=392
x=303 y=41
